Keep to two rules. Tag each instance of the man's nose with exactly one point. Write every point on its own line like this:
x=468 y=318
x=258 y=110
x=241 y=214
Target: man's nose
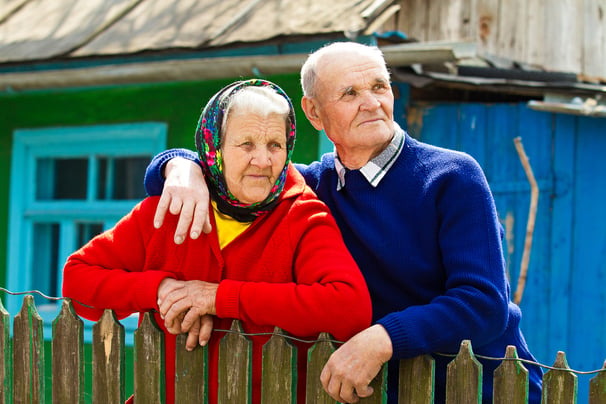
x=369 y=101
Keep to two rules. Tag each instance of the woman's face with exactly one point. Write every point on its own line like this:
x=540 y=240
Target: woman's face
x=254 y=154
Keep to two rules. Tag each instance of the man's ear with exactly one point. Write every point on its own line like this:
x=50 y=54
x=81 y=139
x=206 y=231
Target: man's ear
x=310 y=108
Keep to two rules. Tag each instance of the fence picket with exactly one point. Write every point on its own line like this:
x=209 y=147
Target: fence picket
x=68 y=356
x=22 y=367
x=149 y=381
x=417 y=377
x=559 y=386
x=464 y=377
x=5 y=356
x=108 y=359
x=597 y=388
x=379 y=385
x=279 y=377
x=191 y=374
x=28 y=354
x=510 y=380
x=317 y=356
x=235 y=366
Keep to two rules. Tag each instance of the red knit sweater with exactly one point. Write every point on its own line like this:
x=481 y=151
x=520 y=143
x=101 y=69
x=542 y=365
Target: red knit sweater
x=289 y=269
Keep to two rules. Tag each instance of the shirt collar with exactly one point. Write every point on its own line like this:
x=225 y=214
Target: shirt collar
x=375 y=169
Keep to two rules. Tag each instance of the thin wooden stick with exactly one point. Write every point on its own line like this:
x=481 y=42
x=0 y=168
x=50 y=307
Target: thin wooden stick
x=532 y=213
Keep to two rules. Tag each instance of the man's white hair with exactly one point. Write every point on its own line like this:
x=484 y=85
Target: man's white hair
x=309 y=68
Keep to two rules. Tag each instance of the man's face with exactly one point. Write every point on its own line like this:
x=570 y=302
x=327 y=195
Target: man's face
x=355 y=102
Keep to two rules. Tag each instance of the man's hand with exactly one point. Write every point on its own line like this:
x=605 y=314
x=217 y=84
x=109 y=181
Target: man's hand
x=350 y=369
x=192 y=298
x=185 y=194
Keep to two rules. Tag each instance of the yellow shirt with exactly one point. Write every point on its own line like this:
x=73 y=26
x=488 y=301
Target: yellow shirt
x=228 y=228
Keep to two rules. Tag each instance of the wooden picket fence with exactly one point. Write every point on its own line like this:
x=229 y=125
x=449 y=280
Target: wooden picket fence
x=22 y=371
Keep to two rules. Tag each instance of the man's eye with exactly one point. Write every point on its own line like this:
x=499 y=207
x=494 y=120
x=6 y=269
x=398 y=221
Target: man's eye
x=276 y=145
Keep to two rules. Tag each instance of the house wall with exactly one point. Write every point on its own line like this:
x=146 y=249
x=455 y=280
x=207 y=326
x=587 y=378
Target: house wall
x=563 y=304
x=559 y=35
x=176 y=104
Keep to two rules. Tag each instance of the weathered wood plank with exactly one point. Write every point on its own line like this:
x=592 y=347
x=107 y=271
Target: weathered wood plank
x=464 y=377
x=108 y=359
x=279 y=370
x=510 y=380
x=149 y=380
x=68 y=356
x=417 y=377
x=317 y=357
x=597 y=388
x=235 y=367
x=559 y=386
x=379 y=385
x=28 y=354
x=191 y=375
x=5 y=356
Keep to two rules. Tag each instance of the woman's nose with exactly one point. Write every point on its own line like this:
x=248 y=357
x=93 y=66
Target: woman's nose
x=261 y=157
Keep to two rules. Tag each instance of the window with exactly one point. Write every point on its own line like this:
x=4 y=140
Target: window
x=68 y=185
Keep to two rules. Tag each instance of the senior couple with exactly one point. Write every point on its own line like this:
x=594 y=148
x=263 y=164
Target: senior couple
x=419 y=221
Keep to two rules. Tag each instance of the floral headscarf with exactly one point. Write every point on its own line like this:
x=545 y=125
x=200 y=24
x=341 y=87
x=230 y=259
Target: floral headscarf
x=208 y=143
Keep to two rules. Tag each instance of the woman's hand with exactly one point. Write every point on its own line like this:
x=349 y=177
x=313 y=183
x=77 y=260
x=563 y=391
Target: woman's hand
x=183 y=302
x=200 y=332
x=185 y=193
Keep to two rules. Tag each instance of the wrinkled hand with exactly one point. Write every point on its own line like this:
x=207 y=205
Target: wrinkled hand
x=350 y=369
x=182 y=303
x=185 y=194
x=199 y=332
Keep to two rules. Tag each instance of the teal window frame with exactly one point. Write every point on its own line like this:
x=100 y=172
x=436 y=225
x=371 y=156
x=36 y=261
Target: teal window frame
x=114 y=141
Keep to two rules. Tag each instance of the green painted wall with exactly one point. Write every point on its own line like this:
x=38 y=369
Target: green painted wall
x=177 y=104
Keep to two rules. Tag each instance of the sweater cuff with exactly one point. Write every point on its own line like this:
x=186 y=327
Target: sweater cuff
x=398 y=336
x=154 y=180
x=146 y=295
x=227 y=303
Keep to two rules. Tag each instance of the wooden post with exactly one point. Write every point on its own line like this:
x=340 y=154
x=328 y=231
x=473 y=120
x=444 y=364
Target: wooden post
x=235 y=366
x=5 y=356
x=108 y=359
x=191 y=372
x=279 y=380
x=317 y=357
x=510 y=380
x=28 y=354
x=68 y=356
x=379 y=385
x=597 y=388
x=559 y=386
x=417 y=380
x=149 y=383
x=464 y=377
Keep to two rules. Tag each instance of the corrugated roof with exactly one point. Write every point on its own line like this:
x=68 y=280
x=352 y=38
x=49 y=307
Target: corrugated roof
x=34 y=30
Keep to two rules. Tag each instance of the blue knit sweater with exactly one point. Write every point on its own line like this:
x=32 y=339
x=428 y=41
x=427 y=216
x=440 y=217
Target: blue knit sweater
x=428 y=242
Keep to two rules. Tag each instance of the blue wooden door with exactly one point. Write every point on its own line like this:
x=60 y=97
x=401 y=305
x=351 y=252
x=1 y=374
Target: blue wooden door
x=564 y=298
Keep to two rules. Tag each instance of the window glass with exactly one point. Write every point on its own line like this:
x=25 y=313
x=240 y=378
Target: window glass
x=45 y=261
x=61 y=178
x=121 y=178
x=86 y=231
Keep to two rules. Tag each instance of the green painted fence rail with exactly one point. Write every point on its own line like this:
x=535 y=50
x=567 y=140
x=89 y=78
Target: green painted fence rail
x=22 y=367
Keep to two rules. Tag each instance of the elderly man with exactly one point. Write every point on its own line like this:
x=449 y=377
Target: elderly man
x=419 y=220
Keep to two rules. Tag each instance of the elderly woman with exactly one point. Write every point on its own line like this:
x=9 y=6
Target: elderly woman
x=275 y=256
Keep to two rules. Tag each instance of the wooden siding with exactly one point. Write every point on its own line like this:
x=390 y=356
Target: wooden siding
x=563 y=301
x=558 y=35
